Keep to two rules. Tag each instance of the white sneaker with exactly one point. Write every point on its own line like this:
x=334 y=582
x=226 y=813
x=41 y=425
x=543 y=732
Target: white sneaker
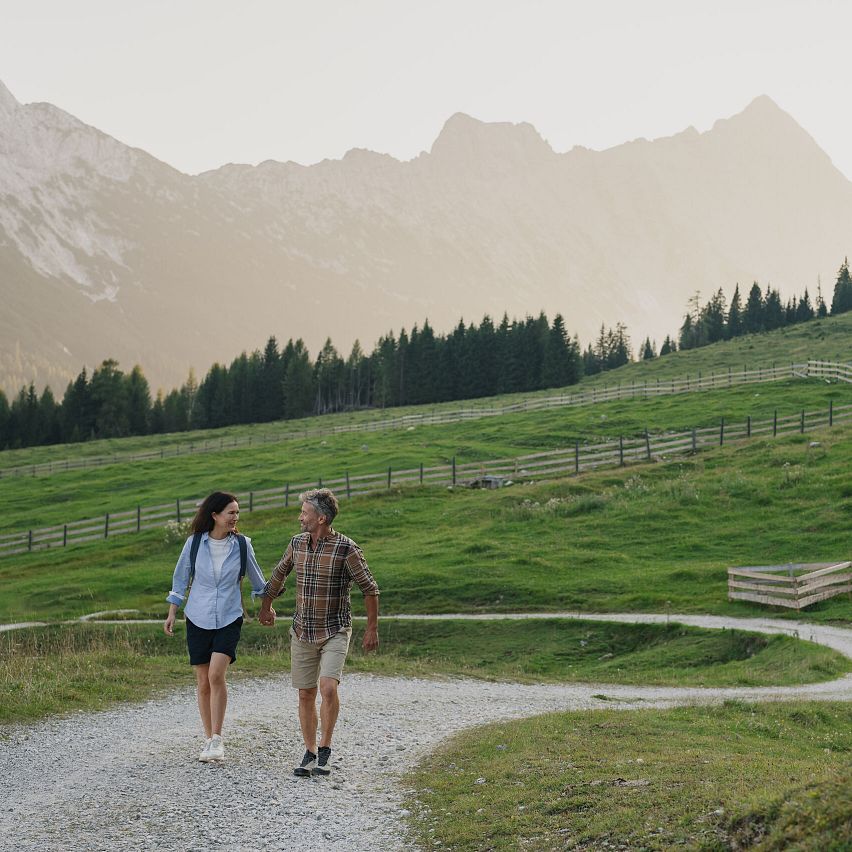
x=203 y=756
x=216 y=751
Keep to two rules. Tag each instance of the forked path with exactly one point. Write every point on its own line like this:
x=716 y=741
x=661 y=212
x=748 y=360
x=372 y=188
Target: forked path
x=128 y=778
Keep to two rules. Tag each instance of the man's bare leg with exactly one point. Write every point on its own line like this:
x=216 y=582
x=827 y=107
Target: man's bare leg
x=308 y=717
x=329 y=709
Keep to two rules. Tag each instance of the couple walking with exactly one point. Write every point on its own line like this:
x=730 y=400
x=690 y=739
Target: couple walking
x=208 y=577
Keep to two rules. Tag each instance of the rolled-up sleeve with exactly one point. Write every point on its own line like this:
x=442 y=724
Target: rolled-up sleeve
x=180 y=578
x=358 y=569
x=255 y=575
x=280 y=572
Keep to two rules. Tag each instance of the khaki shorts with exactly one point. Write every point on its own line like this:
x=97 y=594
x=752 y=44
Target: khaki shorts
x=308 y=663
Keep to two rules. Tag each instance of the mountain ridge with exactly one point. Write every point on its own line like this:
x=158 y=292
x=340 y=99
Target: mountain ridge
x=106 y=251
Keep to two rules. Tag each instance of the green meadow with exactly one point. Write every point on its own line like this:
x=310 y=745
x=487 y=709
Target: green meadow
x=651 y=537
x=737 y=776
x=35 y=501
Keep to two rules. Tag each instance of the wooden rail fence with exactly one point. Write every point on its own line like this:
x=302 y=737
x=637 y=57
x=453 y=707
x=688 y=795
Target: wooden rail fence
x=795 y=586
x=582 y=456
x=632 y=390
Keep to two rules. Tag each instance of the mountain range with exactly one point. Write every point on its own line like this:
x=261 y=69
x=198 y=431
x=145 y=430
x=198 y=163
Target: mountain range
x=107 y=252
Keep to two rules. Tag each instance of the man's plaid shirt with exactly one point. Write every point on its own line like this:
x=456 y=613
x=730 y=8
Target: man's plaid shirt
x=324 y=578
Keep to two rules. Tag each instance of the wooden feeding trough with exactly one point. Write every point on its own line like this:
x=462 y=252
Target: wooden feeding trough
x=796 y=585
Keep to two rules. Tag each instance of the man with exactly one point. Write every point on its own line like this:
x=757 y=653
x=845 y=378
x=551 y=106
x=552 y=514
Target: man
x=326 y=565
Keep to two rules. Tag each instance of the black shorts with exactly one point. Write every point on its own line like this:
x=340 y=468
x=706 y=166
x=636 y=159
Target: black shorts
x=203 y=643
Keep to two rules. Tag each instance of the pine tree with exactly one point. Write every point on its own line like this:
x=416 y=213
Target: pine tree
x=356 y=378
x=668 y=346
x=77 y=421
x=138 y=402
x=109 y=401
x=328 y=379
x=713 y=319
x=804 y=309
x=620 y=353
x=753 y=314
x=157 y=421
x=821 y=309
x=842 y=299
x=734 y=321
x=269 y=404
x=686 y=336
x=773 y=310
x=557 y=367
x=298 y=383
x=485 y=353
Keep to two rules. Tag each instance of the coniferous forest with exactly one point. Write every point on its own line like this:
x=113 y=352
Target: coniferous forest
x=413 y=368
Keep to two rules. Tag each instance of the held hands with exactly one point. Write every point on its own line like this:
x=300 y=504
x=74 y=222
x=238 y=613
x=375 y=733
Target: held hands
x=266 y=616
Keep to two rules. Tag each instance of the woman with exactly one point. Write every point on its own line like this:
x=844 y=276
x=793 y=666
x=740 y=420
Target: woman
x=214 y=607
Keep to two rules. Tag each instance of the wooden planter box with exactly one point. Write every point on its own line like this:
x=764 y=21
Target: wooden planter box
x=796 y=585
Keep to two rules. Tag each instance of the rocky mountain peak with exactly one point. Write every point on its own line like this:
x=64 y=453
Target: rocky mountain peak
x=465 y=139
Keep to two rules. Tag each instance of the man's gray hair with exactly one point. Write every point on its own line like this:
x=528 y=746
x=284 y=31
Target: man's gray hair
x=323 y=500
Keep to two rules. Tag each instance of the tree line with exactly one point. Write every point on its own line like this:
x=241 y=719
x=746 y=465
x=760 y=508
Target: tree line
x=281 y=383
x=415 y=368
x=763 y=310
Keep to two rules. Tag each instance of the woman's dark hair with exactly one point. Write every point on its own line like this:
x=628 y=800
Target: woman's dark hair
x=216 y=502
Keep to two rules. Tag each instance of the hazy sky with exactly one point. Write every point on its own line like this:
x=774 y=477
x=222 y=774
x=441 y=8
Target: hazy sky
x=200 y=83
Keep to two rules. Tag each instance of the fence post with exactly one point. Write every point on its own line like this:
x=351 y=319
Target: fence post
x=576 y=456
x=831 y=412
x=722 y=432
x=775 y=423
x=348 y=488
x=421 y=473
x=389 y=477
x=694 y=445
x=647 y=445
x=454 y=470
x=320 y=483
x=64 y=535
x=30 y=540
x=621 y=451
x=286 y=495
x=106 y=525
x=177 y=509
x=803 y=422
x=748 y=426
x=138 y=517
x=729 y=376
x=251 y=501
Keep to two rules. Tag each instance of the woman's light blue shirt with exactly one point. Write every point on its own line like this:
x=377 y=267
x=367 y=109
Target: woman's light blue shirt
x=212 y=605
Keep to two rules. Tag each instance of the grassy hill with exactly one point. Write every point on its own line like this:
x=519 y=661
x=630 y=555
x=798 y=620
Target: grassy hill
x=827 y=339
x=621 y=539
x=655 y=536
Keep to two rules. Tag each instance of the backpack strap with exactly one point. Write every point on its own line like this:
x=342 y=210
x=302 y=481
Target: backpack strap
x=241 y=540
x=193 y=555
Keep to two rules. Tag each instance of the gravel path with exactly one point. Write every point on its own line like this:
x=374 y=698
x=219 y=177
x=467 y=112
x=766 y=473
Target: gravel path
x=128 y=778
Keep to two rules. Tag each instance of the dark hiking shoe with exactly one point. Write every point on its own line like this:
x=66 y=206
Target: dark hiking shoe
x=309 y=761
x=323 y=765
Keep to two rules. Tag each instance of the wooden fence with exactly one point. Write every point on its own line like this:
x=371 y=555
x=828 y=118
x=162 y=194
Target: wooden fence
x=795 y=586
x=626 y=390
x=582 y=456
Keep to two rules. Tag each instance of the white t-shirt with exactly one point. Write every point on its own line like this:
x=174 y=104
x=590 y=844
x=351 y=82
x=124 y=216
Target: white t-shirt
x=219 y=549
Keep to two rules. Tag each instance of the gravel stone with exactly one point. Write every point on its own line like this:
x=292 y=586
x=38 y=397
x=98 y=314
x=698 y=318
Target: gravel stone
x=128 y=778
